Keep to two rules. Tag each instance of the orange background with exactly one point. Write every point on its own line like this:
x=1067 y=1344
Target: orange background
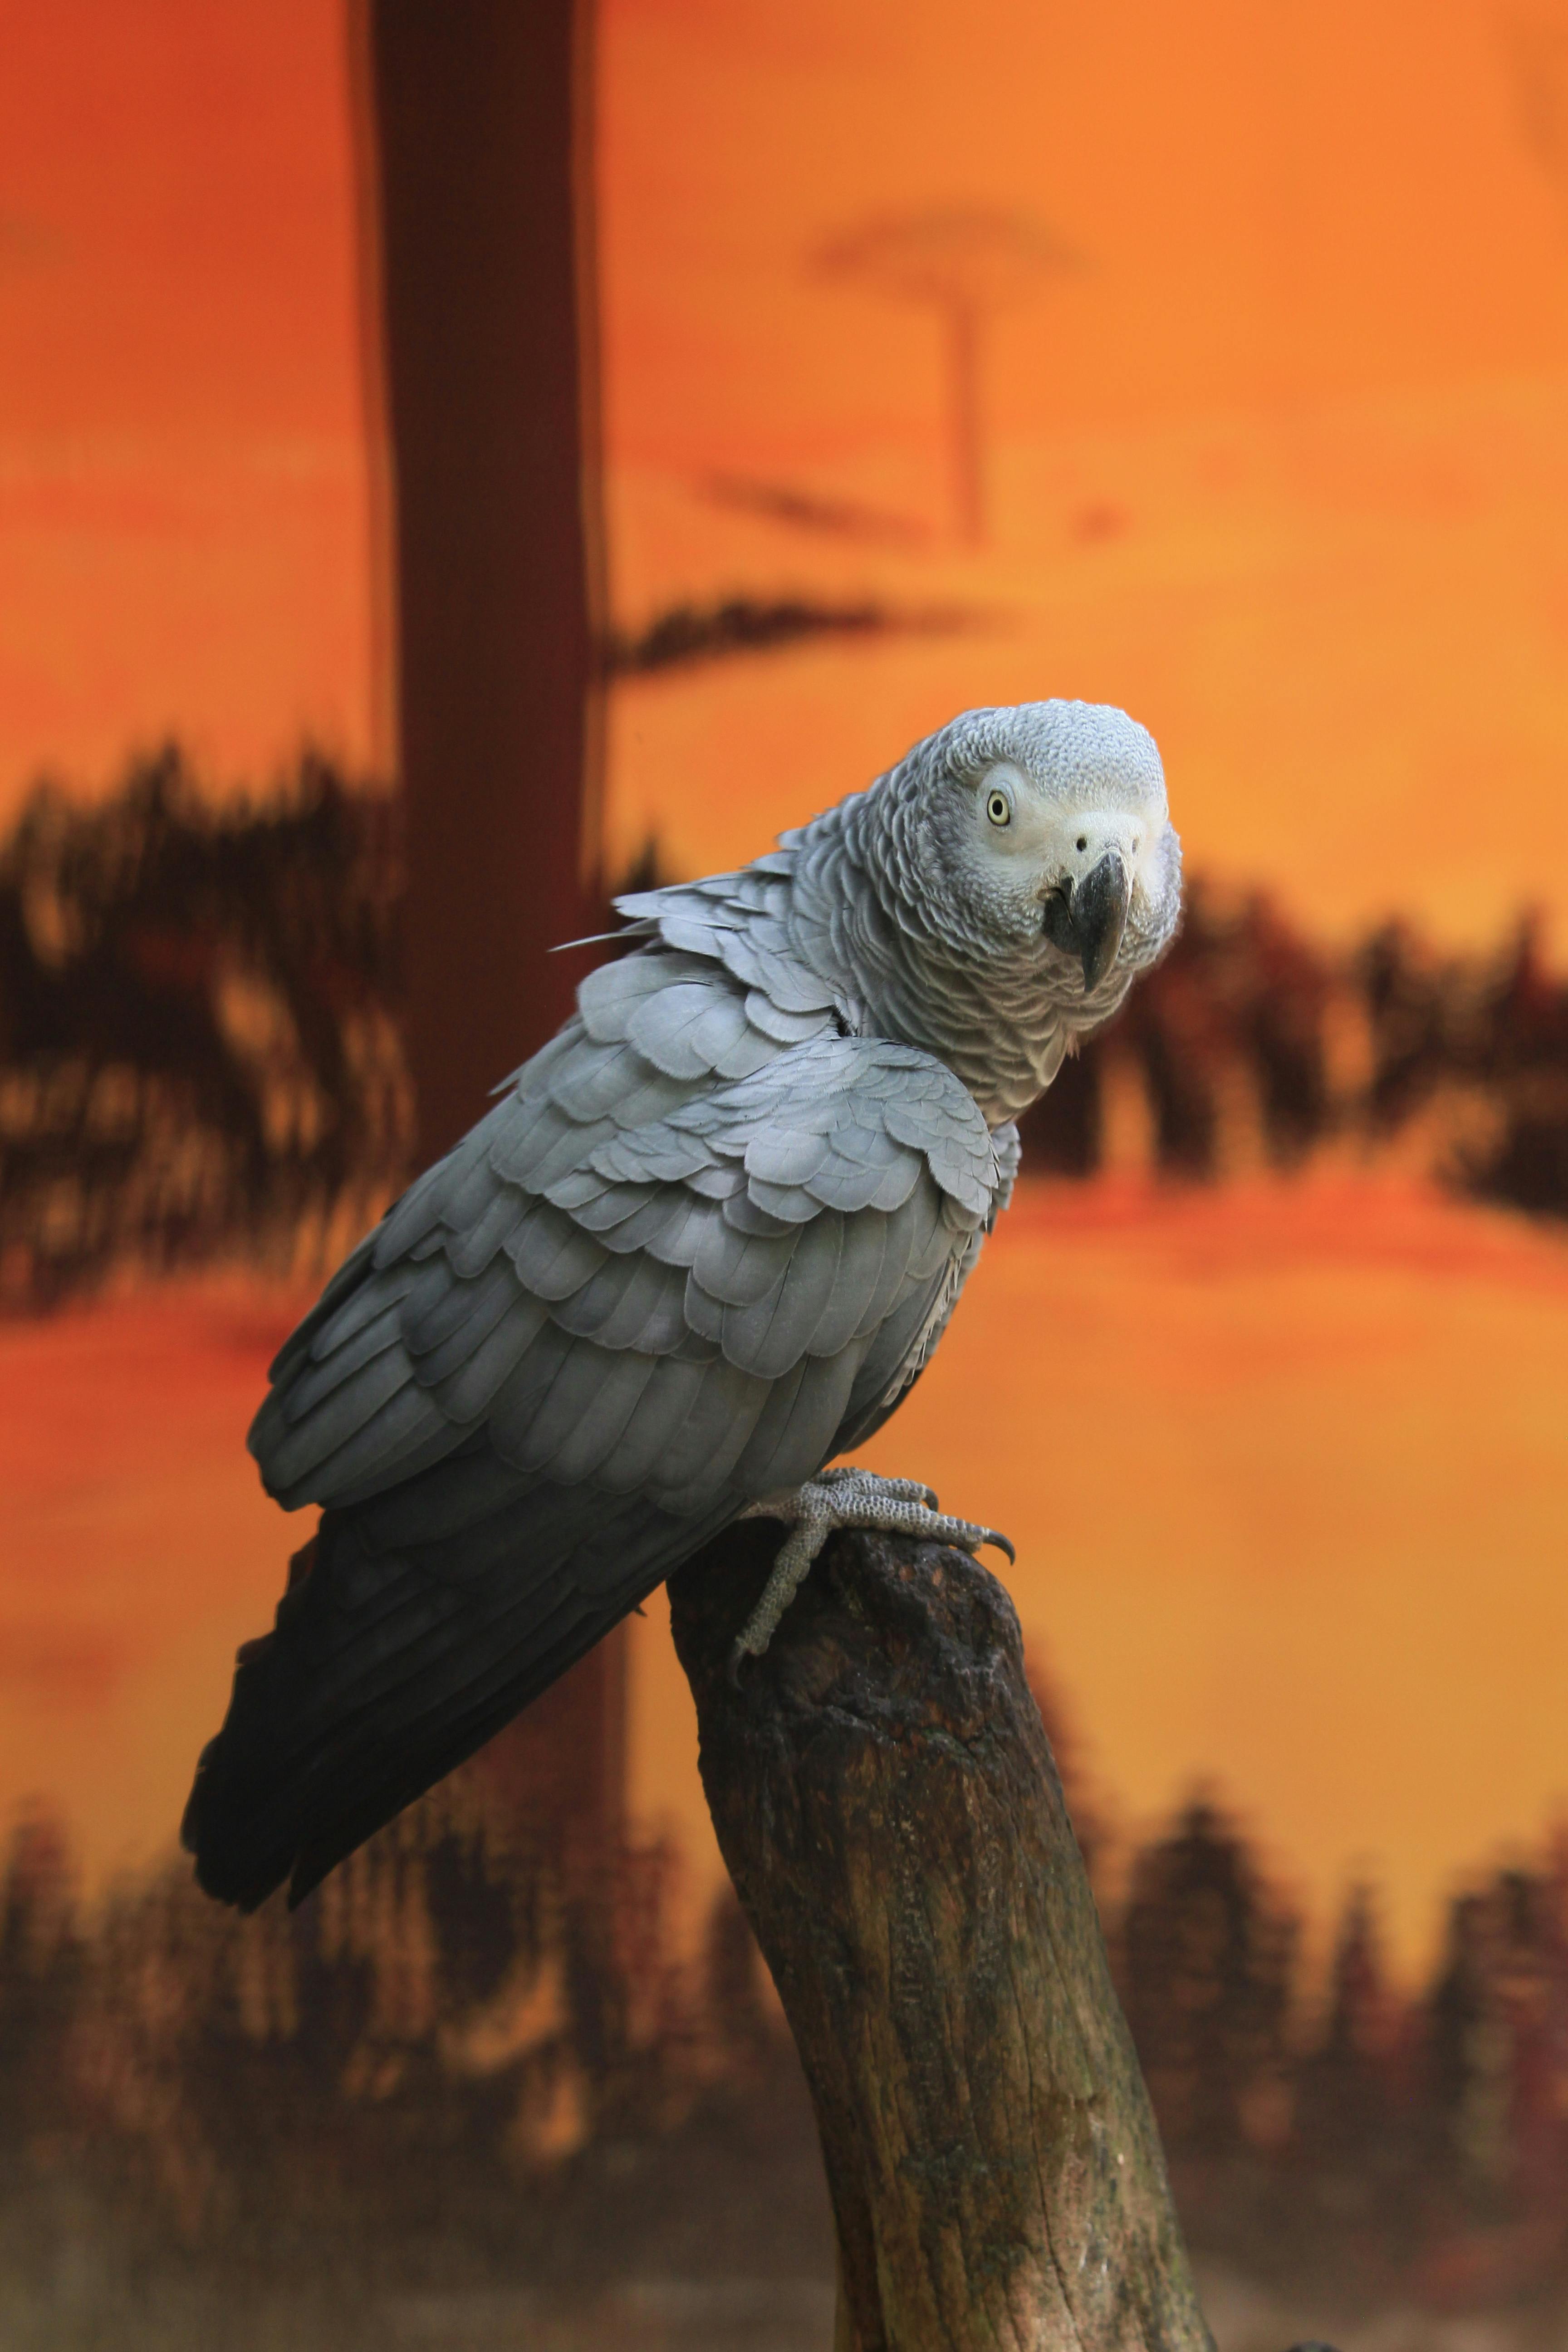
x=1282 y=467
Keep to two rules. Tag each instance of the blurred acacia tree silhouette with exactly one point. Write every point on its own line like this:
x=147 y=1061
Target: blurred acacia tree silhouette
x=966 y=265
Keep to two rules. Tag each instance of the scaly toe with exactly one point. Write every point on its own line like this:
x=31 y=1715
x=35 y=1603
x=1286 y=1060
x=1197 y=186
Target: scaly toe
x=876 y=1488
x=964 y=1534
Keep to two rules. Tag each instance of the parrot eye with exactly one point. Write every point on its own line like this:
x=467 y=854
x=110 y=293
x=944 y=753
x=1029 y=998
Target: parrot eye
x=998 y=808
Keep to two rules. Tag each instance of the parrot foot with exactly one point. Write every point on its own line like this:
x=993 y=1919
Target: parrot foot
x=843 y=1498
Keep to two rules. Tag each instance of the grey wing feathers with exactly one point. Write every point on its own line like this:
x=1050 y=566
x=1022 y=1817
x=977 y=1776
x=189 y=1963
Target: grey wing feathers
x=659 y=1263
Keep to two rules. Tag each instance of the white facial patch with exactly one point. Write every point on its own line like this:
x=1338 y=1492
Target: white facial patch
x=1029 y=838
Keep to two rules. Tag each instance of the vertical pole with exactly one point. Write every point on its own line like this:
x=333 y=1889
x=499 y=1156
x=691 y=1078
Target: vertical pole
x=477 y=118
x=481 y=182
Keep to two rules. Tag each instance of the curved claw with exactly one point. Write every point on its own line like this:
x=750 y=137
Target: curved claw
x=1002 y=1543
x=732 y=1670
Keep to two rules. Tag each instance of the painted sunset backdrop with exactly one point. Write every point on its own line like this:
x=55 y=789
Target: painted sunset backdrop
x=1275 y=454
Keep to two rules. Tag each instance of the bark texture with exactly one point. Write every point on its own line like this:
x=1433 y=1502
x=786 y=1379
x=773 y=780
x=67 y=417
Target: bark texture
x=887 y=1803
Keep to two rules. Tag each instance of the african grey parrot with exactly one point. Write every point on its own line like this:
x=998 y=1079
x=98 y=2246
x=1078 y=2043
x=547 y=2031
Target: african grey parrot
x=705 y=1241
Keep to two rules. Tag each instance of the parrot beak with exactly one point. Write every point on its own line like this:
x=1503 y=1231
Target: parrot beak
x=1087 y=919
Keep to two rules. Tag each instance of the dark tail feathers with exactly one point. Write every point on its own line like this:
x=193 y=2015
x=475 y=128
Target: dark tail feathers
x=384 y=1671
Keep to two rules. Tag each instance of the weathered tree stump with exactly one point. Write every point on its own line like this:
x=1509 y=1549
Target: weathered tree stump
x=887 y=1803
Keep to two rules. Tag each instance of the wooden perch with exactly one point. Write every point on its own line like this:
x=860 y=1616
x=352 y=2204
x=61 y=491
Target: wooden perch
x=887 y=1803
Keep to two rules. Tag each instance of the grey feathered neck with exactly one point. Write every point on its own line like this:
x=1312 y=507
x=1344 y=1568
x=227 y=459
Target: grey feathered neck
x=849 y=913
x=863 y=907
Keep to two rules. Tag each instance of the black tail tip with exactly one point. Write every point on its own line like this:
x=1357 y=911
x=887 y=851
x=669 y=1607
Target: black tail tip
x=230 y=1866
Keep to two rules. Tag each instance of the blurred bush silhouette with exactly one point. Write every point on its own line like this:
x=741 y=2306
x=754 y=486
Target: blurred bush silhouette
x=458 y=2060
x=198 y=1038
x=1249 y=1047
x=200 y=1056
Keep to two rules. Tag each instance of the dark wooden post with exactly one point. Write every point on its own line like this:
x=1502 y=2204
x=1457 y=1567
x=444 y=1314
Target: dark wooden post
x=887 y=1805
x=477 y=123
x=481 y=167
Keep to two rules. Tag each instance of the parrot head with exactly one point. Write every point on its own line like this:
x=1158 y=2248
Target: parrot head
x=1043 y=831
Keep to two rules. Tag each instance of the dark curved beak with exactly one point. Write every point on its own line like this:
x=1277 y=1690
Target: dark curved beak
x=1087 y=917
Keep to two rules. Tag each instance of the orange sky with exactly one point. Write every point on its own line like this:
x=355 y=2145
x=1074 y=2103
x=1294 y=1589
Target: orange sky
x=1274 y=207
x=1282 y=468
x=182 y=508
